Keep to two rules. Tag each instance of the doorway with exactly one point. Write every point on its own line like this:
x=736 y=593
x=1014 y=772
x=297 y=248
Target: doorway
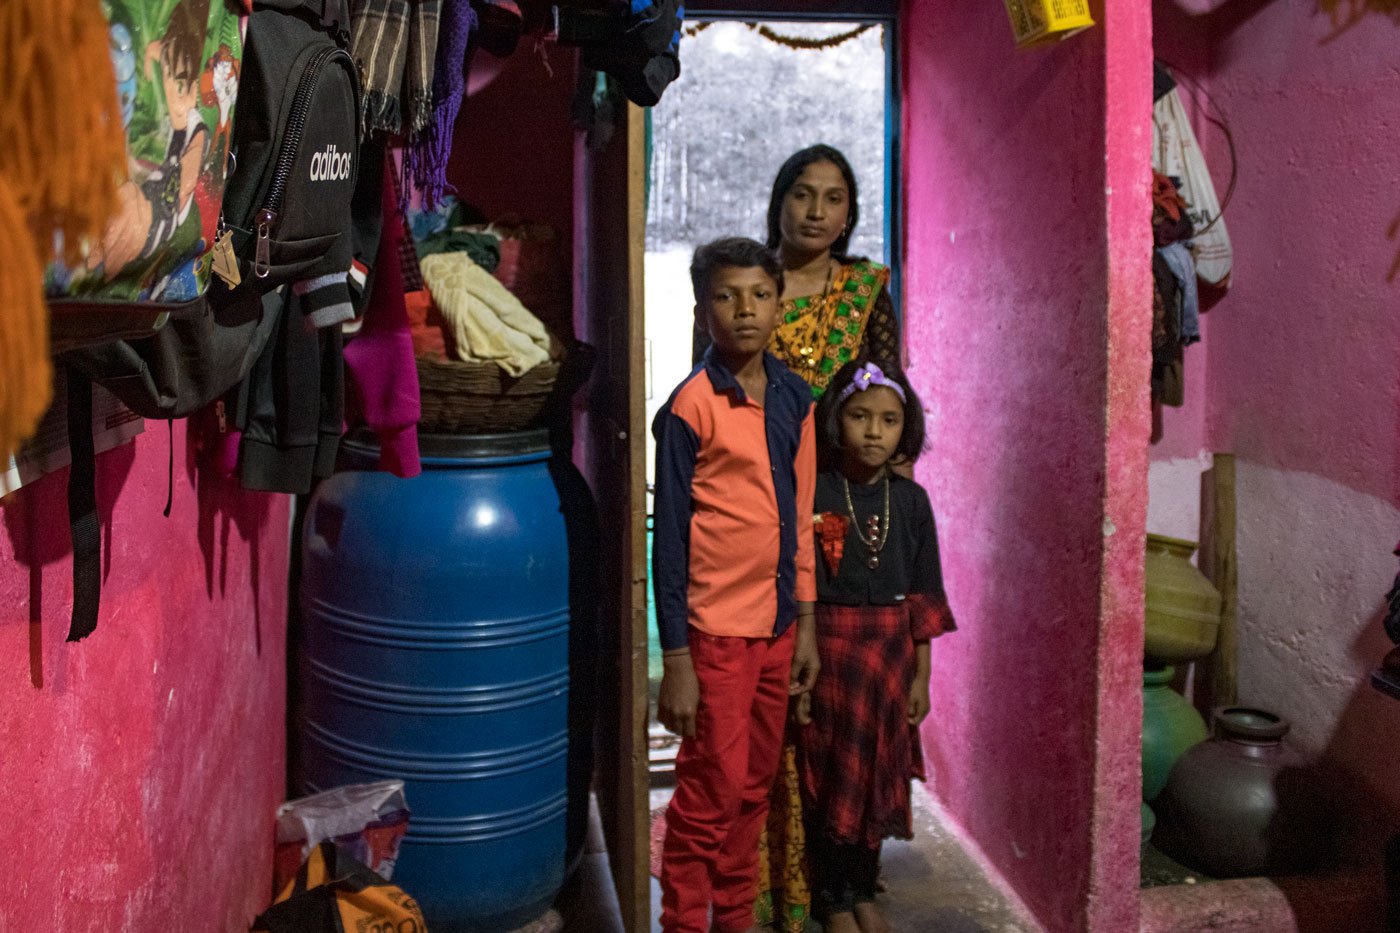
x=752 y=92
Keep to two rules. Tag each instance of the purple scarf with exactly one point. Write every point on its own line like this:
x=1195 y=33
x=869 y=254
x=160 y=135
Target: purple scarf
x=425 y=157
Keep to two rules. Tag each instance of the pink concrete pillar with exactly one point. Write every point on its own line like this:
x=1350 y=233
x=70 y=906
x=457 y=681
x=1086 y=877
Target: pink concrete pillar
x=1028 y=305
x=143 y=766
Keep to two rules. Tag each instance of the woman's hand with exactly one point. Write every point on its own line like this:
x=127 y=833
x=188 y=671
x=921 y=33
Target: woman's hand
x=802 y=710
x=679 y=699
x=805 y=663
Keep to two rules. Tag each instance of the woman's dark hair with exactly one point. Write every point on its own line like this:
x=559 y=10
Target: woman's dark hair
x=787 y=177
x=828 y=416
x=734 y=252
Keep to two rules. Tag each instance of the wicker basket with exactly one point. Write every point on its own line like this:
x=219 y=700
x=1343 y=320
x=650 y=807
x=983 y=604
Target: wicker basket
x=480 y=398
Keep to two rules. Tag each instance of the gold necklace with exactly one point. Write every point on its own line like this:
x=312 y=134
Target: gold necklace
x=874 y=537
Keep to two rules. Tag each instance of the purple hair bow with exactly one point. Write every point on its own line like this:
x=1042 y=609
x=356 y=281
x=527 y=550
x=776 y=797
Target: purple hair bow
x=867 y=376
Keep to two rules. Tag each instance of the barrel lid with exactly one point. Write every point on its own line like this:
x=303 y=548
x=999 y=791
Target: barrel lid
x=465 y=446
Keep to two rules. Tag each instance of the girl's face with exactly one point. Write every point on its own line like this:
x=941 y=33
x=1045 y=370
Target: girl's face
x=872 y=422
x=815 y=209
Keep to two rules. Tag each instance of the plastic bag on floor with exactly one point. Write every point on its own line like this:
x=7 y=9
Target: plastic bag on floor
x=368 y=821
x=333 y=893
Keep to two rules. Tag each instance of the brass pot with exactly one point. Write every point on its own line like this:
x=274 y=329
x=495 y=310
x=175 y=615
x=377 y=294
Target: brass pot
x=1183 y=609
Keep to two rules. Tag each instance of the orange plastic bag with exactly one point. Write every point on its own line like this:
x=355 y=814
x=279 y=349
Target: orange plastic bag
x=333 y=893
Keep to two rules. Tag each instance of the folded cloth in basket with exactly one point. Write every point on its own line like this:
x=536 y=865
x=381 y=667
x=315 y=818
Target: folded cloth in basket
x=488 y=323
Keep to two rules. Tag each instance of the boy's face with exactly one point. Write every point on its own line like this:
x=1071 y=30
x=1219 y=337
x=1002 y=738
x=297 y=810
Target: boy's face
x=740 y=309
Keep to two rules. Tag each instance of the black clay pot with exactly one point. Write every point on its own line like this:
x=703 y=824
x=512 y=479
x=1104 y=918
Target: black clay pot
x=1243 y=803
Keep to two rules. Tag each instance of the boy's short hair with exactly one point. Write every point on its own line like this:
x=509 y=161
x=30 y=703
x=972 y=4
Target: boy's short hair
x=733 y=252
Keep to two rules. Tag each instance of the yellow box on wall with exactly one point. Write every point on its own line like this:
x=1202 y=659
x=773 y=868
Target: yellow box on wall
x=1037 y=21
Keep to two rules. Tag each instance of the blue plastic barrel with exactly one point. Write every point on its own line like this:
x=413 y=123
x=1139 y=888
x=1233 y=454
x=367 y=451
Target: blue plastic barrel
x=434 y=648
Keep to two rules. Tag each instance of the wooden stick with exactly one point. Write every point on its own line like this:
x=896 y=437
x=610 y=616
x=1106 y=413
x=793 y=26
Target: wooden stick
x=1219 y=565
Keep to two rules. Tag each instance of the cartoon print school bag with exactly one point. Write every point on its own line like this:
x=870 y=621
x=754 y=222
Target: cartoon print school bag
x=177 y=65
x=280 y=223
x=283 y=219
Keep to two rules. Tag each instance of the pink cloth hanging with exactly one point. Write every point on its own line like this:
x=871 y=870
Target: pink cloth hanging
x=382 y=376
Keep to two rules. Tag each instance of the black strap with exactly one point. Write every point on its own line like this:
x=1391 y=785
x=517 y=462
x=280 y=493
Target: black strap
x=82 y=508
x=170 y=466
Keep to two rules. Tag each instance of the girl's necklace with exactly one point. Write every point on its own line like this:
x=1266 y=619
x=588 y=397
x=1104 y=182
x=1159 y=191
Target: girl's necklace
x=875 y=536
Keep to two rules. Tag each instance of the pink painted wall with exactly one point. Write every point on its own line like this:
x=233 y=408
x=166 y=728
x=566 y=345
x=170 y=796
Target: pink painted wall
x=1313 y=109
x=1028 y=303
x=1303 y=381
x=143 y=764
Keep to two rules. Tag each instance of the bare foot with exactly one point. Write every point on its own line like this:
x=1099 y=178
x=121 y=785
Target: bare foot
x=844 y=922
x=871 y=918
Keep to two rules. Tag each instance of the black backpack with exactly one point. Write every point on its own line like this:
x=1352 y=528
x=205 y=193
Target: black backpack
x=286 y=213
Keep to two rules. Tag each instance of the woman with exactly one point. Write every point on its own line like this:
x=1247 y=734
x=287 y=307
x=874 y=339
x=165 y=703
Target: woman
x=835 y=308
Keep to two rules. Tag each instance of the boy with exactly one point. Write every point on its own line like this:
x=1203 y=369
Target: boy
x=733 y=562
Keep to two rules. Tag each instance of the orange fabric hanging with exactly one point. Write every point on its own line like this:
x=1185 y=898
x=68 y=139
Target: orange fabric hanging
x=63 y=155
x=26 y=376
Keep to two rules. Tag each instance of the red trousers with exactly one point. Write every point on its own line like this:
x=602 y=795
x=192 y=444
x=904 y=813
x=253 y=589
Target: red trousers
x=723 y=778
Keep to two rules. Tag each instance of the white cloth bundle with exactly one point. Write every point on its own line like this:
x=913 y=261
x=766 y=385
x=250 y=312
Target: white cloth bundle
x=489 y=324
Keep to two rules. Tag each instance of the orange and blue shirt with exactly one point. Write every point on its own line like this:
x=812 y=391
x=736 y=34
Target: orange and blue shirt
x=732 y=546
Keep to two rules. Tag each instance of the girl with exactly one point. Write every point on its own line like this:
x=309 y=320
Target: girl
x=880 y=600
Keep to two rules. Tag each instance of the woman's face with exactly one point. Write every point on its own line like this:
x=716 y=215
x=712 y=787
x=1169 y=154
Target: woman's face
x=815 y=209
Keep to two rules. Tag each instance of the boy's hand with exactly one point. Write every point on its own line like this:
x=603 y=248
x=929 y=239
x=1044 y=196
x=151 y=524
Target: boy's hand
x=918 y=700
x=805 y=663
x=802 y=710
x=679 y=699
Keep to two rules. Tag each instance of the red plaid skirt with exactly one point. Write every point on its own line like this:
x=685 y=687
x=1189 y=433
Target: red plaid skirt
x=857 y=756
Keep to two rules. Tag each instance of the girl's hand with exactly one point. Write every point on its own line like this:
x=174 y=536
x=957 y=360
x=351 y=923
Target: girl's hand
x=679 y=699
x=802 y=710
x=918 y=701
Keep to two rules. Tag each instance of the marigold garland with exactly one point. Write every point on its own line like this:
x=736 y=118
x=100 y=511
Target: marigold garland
x=792 y=42
x=797 y=42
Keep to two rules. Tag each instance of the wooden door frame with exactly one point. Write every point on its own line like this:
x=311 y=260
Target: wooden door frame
x=637 y=915
x=610 y=246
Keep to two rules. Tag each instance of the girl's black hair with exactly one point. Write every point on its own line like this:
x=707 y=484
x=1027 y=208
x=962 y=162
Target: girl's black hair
x=828 y=416
x=787 y=177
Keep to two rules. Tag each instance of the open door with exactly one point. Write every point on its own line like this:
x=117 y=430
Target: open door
x=609 y=237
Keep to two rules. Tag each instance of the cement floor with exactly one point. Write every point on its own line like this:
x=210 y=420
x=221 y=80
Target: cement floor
x=934 y=887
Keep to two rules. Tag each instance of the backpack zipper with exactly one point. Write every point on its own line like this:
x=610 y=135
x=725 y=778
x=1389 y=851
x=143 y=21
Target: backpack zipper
x=266 y=218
